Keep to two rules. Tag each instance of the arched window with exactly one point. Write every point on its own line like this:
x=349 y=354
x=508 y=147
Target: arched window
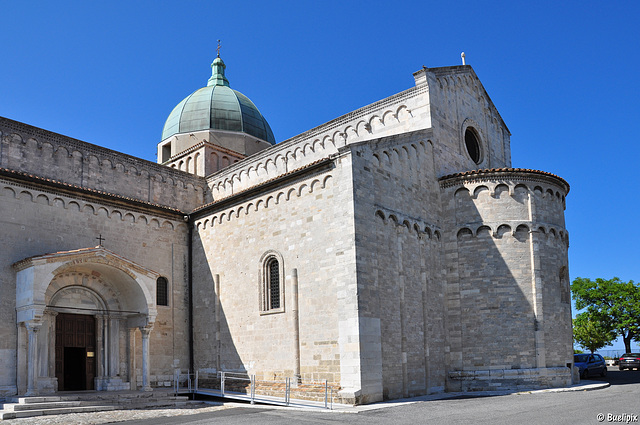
x=162 y=291
x=273 y=284
x=272 y=287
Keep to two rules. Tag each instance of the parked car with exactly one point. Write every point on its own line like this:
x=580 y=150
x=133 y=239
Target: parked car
x=629 y=361
x=590 y=365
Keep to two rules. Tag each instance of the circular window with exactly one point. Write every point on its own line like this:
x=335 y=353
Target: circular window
x=473 y=144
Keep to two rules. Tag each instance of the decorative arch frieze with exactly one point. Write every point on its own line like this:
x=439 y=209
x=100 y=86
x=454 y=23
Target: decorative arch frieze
x=501 y=228
x=498 y=189
x=416 y=226
x=51 y=199
x=398 y=155
x=378 y=119
x=266 y=201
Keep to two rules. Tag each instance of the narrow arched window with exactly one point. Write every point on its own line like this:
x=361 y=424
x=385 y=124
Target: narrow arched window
x=272 y=288
x=273 y=270
x=162 y=291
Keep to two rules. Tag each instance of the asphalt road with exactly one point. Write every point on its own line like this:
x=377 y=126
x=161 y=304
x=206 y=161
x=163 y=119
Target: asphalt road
x=575 y=407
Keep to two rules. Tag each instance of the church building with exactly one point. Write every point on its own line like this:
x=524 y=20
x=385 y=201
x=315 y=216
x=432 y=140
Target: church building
x=392 y=251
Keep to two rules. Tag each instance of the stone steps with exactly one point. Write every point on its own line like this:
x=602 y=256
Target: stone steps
x=45 y=405
x=24 y=407
x=37 y=411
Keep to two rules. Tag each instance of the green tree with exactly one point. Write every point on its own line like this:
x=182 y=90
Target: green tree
x=590 y=334
x=614 y=304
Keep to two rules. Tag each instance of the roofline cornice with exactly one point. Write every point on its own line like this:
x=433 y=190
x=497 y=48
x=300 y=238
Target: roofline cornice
x=501 y=174
x=61 y=188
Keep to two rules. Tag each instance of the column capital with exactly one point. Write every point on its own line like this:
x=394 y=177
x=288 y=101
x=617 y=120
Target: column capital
x=145 y=330
x=33 y=326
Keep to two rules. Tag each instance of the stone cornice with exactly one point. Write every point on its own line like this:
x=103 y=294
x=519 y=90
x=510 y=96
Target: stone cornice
x=502 y=174
x=89 y=194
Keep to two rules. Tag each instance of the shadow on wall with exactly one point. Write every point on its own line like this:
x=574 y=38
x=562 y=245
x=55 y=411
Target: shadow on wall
x=213 y=346
x=499 y=295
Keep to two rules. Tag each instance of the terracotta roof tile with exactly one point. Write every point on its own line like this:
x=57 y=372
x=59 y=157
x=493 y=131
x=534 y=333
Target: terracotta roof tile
x=502 y=170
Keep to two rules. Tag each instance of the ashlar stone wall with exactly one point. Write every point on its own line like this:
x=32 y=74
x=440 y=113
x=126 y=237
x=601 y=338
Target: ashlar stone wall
x=458 y=101
x=307 y=223
x=36 y=221
x=53 y=156
x=397 y=203
x=508 y=313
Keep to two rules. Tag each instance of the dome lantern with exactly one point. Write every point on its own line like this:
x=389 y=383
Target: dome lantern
x=217 y=73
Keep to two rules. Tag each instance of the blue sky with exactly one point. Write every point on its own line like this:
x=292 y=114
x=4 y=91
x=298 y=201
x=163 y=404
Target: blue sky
x=564 y=76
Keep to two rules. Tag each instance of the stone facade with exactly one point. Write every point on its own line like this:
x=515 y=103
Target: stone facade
x=392 y=252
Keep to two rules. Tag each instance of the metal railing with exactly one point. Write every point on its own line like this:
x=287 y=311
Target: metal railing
x=192 y=384
x=188 y=379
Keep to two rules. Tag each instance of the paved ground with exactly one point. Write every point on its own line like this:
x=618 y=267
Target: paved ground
x=579 y=406
x=113 y=416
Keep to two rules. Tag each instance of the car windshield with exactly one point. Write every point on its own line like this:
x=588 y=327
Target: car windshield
x=631 y=355
x=581 y=357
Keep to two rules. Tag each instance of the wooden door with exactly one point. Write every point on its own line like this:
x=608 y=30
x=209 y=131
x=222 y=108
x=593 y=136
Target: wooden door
x=75 y=351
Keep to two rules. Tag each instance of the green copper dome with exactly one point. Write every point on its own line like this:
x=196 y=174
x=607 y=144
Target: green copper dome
x=217 y=107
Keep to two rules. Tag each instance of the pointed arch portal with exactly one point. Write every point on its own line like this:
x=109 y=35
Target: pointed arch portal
x=76 y=313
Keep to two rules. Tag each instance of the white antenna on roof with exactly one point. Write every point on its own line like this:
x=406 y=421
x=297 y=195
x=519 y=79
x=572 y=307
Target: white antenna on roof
x=462 y=56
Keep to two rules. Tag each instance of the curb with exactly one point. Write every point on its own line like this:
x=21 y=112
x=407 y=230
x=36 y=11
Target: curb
x=337 y=408
x=586 y=386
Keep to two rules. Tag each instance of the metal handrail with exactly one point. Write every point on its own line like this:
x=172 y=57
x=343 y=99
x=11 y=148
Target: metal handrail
x=189 y=380
x=238 y=376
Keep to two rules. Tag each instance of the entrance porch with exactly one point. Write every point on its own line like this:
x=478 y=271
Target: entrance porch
x=78 y=315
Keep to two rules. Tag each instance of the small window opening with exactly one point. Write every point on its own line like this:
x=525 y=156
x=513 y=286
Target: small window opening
x=472 y=144
x=166 y=152
x=162 y=291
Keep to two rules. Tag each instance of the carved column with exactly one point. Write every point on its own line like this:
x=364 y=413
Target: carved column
x=114 y=346
x=105 y=344
x=52 y=344
x=46 y=380
x=32 y=357
x=145 y=331
x=131 y=359
x=99 y=347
